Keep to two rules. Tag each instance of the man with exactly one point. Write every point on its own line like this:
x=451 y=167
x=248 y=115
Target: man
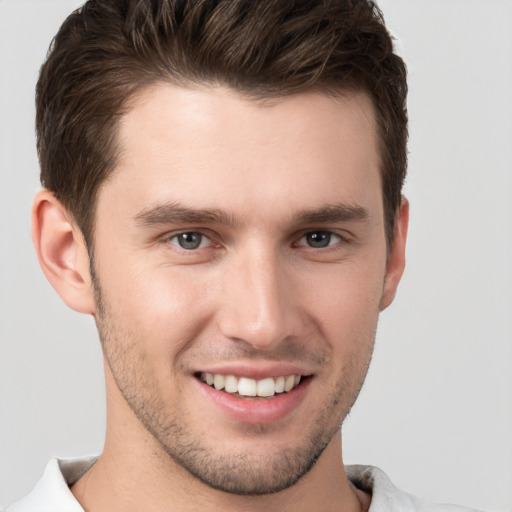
x=222 y=192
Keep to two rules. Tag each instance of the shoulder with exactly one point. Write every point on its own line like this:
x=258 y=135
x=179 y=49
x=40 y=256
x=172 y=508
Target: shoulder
x=51 y=493
x=388 y=498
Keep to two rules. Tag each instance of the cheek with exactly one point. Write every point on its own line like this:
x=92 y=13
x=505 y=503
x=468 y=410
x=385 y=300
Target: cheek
x=163 y=309
x=344 y=302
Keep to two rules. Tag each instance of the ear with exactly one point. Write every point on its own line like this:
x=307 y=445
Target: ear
x=62 y=252
x=396 y=259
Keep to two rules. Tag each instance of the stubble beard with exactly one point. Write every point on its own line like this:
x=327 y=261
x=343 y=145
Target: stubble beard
x=236 y=473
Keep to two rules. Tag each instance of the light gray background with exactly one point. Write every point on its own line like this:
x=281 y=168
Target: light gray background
x=436 y=411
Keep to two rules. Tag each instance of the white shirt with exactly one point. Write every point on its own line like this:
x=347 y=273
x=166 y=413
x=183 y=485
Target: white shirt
x=52 y=494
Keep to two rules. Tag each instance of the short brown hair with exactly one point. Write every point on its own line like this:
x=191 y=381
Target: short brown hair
x=108 y=50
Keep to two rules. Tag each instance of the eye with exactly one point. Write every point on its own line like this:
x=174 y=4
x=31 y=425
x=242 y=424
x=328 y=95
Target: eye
x=319 y=239
x=190 y=240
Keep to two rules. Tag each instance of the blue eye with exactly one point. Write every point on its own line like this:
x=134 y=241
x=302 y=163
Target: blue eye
x=319 y=239
x=190 y=240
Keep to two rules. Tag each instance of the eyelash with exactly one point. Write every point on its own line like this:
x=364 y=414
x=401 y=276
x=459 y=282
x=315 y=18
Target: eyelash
x=206 y=240
x=176 y=236
x=338 y=238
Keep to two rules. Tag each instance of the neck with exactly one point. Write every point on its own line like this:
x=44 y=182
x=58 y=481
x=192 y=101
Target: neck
x=128 y=480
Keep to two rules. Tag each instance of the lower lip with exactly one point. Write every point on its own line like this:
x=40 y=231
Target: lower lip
x=261 y=411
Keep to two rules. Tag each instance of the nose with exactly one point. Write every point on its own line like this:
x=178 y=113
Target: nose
x=258 y=306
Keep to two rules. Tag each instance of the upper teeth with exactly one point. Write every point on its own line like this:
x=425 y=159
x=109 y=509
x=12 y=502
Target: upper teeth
x=251 y=387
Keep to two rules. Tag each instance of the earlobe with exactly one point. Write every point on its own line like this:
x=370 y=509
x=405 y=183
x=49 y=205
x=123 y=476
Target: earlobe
x=62 y=252
x=396 y=260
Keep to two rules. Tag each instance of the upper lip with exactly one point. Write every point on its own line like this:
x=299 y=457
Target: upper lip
x=256 y=371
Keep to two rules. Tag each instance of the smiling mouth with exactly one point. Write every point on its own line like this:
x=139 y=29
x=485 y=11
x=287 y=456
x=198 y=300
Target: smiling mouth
x=246 y=387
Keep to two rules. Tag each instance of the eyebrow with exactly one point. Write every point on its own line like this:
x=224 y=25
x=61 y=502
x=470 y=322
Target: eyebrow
x=334 y=213
x=174 y=213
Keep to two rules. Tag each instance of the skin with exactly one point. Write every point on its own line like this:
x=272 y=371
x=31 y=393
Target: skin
x=255 y=295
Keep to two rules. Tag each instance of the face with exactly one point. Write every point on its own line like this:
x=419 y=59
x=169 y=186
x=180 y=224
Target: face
x=240 y=262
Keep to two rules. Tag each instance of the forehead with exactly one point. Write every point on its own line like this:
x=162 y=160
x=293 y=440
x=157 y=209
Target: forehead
x=206 y=145
x=221 y=111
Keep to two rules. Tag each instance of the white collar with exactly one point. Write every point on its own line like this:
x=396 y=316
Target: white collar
x=52 y=493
